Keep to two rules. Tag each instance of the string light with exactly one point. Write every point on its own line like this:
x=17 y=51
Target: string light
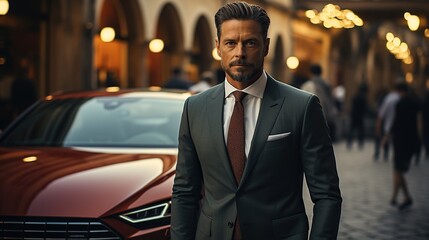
x=332 y=16
x=398 y=48
x=413 y=21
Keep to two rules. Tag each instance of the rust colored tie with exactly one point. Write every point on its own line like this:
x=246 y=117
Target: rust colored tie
x=235 y=142
x=235 y=145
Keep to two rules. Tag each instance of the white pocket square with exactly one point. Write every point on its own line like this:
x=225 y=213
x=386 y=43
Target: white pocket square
x=277 y=136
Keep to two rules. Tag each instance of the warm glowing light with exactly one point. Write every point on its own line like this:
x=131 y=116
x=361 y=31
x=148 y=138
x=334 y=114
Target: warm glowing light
x=413 y=22
x=406 y=15
x=396 y=42
x=350 y=15
x=427 y=32
x=358 y=21
x=292 y=62
x=389 y=36
x=390 y=46
x=112 y=89
x=156 y=45
x=4 y=7
x=155 y=88
x=310 y=13
x=48 y=98
x=315 y=20
x=408 y=60
x=327 y=24
x=409 y=77
x=403 y=47
x=332 y=16
x=399 y=49
x=29 y=159
x=215 y=55
x=107 y=34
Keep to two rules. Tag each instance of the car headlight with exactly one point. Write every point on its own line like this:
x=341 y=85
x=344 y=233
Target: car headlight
x=150 y=213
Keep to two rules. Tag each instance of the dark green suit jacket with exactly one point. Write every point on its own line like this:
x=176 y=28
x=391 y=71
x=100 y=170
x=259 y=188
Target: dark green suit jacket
x=291 y=140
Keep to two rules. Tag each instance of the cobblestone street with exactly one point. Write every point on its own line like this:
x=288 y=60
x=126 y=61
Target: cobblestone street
x=366 y=187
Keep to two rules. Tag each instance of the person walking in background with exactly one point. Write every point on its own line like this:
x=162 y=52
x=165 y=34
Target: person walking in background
x=425 y=123
x=339 y=93
x=111 y=80
x=178 y=80
x=245 y=145
x=385 y=117
x=23 y=91
x=206 y=82
x=405 y=137
x=317 y=85
x=357 y=117
x=379 y=133
x=418 y=146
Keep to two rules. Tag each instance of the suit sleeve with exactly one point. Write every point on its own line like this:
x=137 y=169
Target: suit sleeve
x=320 y=171
x=187 y=185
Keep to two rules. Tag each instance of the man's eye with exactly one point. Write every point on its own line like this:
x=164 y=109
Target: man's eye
x=229 y=43
x=251 y=43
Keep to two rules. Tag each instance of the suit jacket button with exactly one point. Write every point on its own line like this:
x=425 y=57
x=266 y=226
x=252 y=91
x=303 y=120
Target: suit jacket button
x=230 y=224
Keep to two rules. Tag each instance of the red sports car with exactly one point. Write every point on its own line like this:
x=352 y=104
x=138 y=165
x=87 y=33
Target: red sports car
x=91 y=165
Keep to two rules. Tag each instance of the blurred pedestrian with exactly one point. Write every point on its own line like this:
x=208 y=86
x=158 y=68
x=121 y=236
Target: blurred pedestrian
x=111 y=80
x=418 y=146
x=321 y=88
x=385 y=117
x=206 y=82
x=23 y=91
x=178 y=80
x=405 y=137
x=339 y=93
x=425 y=123
x=357 y=117
x=379 y=132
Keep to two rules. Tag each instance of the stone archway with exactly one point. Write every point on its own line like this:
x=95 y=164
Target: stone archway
x=200 y=55
x=123 y=58
x=137 y=49
x=169 y=29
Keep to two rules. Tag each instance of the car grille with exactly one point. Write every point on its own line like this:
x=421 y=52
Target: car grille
x=35 y=228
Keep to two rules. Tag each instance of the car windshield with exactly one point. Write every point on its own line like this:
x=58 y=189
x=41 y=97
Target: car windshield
x=99 y=122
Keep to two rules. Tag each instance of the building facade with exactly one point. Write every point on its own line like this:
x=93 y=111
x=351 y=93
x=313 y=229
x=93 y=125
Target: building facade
x=58 y=42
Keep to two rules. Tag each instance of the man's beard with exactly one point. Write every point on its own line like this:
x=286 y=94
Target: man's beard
x=241 y=76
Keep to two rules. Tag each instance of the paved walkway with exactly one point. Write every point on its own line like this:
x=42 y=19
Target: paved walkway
x=366 y=187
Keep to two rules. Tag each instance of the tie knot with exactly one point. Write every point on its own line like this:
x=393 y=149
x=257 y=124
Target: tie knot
x=239 y=95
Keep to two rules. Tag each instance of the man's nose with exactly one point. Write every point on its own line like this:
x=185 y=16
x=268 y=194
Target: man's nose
x=240 y=50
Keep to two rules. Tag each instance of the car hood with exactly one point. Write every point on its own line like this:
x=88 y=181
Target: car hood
x=78 y=182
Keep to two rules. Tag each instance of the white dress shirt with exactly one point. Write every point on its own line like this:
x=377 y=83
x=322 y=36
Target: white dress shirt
x=252 y=105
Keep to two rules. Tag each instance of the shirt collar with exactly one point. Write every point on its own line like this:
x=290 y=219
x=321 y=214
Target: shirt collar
x=256 y=89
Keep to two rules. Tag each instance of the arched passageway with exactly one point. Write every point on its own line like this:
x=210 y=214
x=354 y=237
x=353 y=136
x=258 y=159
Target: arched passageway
x=169 y=29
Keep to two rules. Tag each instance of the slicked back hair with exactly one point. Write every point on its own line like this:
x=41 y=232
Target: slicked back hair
x=242 y=11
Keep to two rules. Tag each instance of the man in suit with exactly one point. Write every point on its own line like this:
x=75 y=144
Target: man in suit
x=286 y=137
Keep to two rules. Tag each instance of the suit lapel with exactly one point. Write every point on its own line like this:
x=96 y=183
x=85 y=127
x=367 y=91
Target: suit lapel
x=215 y=106
x=270 y=107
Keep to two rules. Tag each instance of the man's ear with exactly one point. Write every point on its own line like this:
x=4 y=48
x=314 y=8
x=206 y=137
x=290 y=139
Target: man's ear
x=267 y=46
x=217 y=47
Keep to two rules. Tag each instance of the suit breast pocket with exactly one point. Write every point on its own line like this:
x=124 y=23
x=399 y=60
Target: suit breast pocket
x=281 y=140
x=279 y=154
